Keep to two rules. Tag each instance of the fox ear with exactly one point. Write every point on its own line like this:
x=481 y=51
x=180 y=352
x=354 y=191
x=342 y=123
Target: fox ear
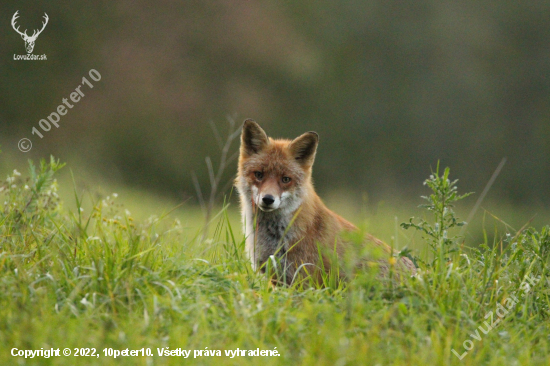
x=253 y=138
x=304 y=147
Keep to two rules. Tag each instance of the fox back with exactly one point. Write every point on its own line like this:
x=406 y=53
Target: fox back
x=285 y=221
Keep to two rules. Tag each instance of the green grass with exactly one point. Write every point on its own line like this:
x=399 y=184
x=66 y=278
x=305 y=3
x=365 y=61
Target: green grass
x=100 y=278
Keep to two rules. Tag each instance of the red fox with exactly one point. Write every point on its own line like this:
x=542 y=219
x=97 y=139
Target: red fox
x=284 y=219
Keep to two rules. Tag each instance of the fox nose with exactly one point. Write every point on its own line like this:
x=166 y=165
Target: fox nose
x=268 y=199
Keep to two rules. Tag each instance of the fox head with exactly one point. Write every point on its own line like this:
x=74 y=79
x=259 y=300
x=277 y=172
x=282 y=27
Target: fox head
x=275 y=174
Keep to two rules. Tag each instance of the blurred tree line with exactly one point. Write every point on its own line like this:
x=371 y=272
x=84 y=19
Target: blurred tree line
x=390 y=86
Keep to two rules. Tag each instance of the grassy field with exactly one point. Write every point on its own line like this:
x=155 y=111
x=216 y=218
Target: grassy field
x=103 y=274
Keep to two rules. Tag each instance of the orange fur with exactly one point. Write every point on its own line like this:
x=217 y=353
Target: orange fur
x=275 y=187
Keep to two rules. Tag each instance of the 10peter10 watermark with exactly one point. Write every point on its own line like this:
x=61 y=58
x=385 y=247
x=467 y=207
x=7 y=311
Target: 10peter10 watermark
x=25 y=144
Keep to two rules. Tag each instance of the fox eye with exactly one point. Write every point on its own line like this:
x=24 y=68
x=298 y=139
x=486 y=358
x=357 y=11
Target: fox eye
x=259 y=175
x=286 y=179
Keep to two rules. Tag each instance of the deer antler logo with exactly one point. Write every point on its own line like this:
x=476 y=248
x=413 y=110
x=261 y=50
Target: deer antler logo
x=29 y=40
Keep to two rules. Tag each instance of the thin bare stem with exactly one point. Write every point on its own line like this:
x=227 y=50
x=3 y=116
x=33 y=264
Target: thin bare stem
x=199 y=192
x=216 y=176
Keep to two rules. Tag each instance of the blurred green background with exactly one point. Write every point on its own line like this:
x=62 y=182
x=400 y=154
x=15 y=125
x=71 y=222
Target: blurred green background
x=391 y=87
